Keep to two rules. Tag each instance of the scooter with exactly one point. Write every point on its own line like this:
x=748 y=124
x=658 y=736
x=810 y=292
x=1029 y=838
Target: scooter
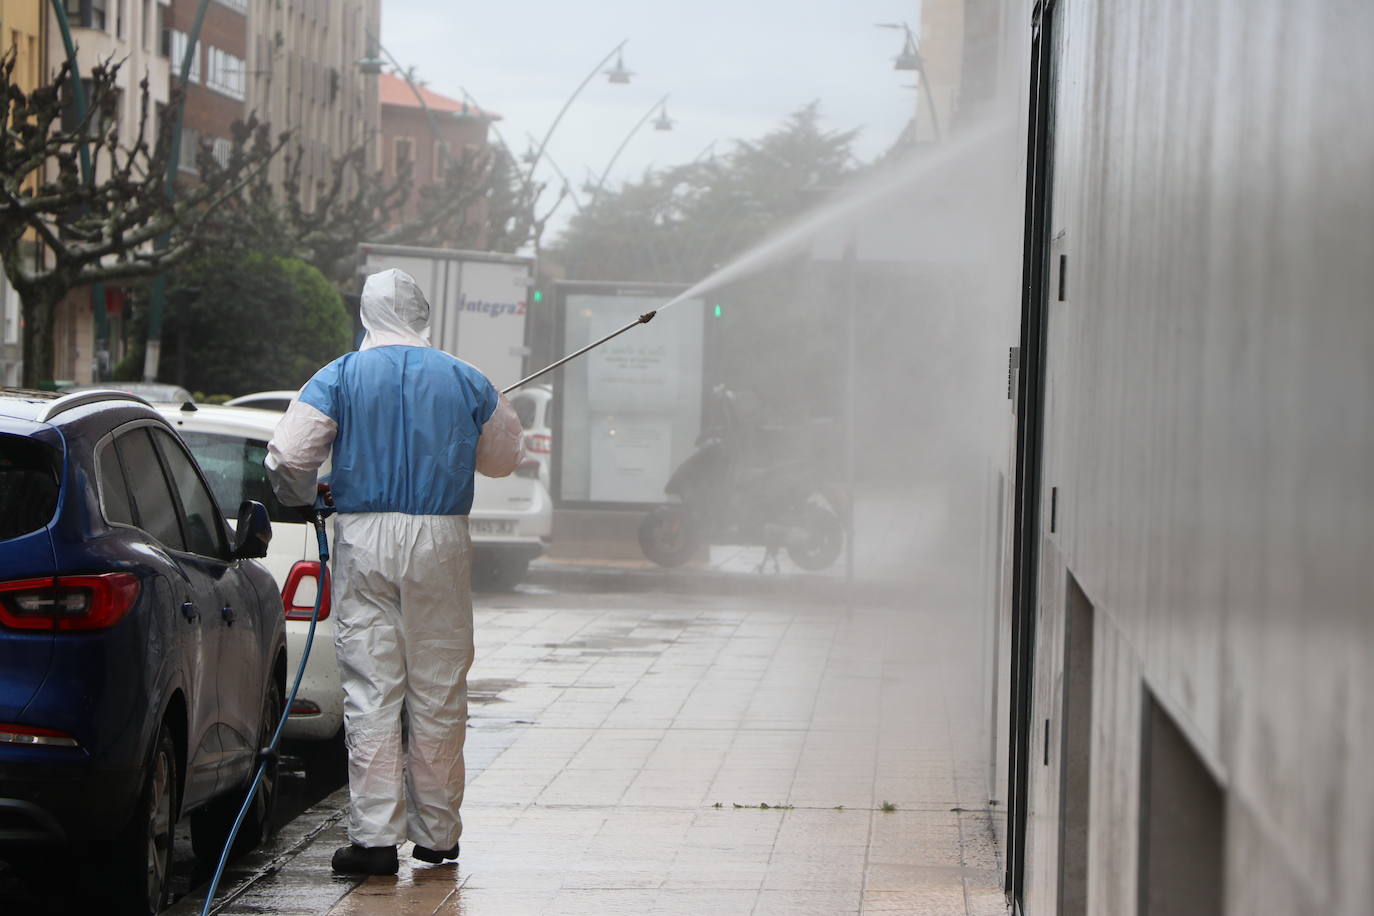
x=726 y=494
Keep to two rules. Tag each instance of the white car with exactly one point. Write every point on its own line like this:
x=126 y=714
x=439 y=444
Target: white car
x=534 y=406
x=229 y=444
x=264 y=400
x=152 y=392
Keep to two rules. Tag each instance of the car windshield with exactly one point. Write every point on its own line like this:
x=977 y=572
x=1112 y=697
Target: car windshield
x=28 y=485
x=524 y=409
x=233 y=466
x=267 y=404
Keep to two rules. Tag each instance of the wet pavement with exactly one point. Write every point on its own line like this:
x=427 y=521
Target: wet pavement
x=726 y=744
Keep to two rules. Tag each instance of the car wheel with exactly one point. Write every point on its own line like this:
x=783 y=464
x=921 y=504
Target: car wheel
x=821 y=545
x=144 y=859
x=668 y=535
x=210 y=825
x=498 y=574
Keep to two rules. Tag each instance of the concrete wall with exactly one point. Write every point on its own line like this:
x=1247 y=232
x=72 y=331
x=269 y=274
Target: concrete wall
x=1210 y=437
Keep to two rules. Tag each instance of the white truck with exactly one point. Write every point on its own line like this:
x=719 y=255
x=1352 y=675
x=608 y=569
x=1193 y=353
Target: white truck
x=478 y=301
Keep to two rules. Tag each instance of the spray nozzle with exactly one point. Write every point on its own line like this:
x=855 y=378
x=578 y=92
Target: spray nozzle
x=647 y=317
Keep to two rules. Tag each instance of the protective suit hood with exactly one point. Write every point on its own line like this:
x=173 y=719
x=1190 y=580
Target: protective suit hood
x=394 y=311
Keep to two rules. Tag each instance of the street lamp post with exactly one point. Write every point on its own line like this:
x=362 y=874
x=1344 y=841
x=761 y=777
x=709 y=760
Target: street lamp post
x=562 y=176
x=510 y=153
x=910 y=59
x=372 y=66
x=663 y=123
x=617 y=74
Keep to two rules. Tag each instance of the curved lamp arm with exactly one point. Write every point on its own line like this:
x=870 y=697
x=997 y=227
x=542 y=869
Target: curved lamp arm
x=419 y=96
x=626 y=142
x=539 y=153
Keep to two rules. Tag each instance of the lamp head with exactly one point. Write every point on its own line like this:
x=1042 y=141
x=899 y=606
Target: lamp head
x=910 y=58
x=370 y=65
x=618 y=73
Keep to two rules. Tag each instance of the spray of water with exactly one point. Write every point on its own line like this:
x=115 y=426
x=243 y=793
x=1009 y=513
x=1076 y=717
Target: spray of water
x=920 y=171
x=865 y=195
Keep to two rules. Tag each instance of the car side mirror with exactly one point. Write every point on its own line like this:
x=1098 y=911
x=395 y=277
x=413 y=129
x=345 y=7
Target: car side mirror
x=253 y=532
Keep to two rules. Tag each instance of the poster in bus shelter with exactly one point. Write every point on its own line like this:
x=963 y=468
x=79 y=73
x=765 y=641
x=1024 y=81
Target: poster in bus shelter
x=631 y=412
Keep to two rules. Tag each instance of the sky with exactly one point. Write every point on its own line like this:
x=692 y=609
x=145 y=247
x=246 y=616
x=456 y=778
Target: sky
x=733 y=70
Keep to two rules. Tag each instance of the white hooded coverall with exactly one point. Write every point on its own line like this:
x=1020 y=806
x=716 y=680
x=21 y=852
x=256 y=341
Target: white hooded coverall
x=406 y=426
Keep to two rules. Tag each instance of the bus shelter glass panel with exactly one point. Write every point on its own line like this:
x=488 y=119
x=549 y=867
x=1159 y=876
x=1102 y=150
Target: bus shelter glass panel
x=632 y=407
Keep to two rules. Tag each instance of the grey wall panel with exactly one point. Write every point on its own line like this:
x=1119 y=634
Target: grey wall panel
x=1210 y=418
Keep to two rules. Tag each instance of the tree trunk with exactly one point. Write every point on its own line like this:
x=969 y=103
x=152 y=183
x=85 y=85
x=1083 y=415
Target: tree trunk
x=39 y=307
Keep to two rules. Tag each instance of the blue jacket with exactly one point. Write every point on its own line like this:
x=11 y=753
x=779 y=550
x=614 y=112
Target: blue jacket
x=408 y=420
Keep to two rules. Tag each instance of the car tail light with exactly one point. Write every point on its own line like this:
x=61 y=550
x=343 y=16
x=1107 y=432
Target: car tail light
x=32 y=734
x=68 y=602
x=298 y=602
x=305 y=708
x=538 y=443
x=529 y=467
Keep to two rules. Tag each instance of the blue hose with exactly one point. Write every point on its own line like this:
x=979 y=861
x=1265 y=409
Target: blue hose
x=267 y=753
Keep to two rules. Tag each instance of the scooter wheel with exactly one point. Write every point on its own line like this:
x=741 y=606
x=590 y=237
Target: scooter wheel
x=668 y=536
x=824 y=538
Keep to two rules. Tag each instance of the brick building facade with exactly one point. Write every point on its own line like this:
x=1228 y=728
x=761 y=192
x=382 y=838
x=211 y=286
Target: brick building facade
x=217 y=88
x=420 y=133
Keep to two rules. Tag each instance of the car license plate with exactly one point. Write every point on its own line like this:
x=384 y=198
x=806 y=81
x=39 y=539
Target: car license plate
x=493 y=526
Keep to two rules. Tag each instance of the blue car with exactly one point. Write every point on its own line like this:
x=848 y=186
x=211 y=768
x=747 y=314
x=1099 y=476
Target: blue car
x=142 y=648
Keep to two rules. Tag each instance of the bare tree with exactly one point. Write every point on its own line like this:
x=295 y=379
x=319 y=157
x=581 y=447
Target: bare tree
x=100 y=230
x=476 y=203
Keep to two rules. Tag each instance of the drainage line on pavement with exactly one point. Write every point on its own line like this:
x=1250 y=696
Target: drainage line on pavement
x=268 y=755
x=280 y=861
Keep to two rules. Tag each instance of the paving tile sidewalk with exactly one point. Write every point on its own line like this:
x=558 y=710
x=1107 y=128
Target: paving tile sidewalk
x=677 y=753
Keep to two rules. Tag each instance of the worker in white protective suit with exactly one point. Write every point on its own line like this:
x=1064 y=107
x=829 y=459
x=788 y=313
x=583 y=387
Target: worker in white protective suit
x=406 y=426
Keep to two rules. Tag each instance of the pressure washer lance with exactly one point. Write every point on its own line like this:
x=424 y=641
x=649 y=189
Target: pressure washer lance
x=268 y=755
x=642 y=319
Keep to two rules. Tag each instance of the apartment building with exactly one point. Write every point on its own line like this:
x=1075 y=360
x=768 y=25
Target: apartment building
x=217 y=83
x=304 y=76
x=430 y=130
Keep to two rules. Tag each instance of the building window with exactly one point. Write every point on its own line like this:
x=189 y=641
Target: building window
x=440 y=160
x=225 y=73
x=174 y=47
x=87 y=14
x=222 y=149
x=404 y=151
x=190 y=145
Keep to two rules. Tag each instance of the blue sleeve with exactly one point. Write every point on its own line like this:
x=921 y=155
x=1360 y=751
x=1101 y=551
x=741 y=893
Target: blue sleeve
x=321 y=392
x=487 y=399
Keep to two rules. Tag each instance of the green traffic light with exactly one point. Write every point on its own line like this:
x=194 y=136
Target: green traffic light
x=538 y=296
x=717 y=311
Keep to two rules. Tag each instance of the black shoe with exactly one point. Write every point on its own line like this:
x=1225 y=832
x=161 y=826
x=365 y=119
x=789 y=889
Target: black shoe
x=365 y=860
x=434 y=856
